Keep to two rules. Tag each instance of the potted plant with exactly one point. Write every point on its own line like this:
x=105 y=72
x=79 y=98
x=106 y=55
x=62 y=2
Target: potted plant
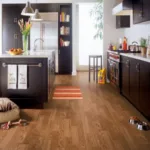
x=143 y=44
x=97 y=14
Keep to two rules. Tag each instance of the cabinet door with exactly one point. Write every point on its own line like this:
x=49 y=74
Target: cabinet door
x=65 y=61
x=146 y=12
x=145 y=88
x=137 y=11
x=125 y=70
x=122 y=21
x=134 y=81
x=9 y=14
x=10 y=37
x=108 y=69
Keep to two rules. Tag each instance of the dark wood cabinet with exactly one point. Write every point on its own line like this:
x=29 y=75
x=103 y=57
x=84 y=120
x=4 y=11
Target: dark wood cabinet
x=137 y=11
x=146 y=12
x=125 y=72
x=144 y=94
x=122 y=22
x=37 y=82
x=12 y=37
x=65 y=35
x=135 y=83
x=141 y=11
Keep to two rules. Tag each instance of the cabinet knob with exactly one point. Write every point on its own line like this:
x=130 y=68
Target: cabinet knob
x=138 y=67
x=15 y=36
x=141 y=14
x=128 y=63
x=15 y=20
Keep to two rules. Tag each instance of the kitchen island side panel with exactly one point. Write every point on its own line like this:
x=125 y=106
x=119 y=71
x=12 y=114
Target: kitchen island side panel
x=37 y=81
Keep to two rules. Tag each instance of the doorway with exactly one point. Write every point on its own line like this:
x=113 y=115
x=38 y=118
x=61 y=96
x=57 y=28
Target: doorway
x=87 y=45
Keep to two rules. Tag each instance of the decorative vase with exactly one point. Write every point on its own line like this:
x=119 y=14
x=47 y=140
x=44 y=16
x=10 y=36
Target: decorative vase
x=143 y=50
x=25 y=43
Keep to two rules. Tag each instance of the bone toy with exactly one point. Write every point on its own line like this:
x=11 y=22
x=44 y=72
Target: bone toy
x=7 y=125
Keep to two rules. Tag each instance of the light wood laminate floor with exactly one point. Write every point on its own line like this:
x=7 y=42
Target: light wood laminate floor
x=98 y=122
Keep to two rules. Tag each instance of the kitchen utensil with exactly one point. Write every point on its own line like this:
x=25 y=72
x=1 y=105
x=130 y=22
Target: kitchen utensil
x=134 y=47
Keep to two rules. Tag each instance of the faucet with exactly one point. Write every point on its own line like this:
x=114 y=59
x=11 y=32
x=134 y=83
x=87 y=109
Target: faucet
x=35 y=42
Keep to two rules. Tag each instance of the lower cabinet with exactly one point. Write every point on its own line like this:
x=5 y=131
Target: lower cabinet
x=144 y=94
x=37 y=82
x=135 y=83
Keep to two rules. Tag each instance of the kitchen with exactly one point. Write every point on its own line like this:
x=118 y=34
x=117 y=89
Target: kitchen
x=101 y=119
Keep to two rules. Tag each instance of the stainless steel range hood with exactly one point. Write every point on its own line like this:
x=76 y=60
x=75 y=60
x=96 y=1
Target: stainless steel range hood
x=123 y=7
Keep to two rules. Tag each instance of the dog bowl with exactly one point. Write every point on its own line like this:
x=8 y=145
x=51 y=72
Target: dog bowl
x=134 y=120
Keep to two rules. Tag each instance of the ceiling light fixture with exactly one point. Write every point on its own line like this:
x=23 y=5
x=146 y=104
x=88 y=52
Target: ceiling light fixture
x=27 y=10
x=36 y=16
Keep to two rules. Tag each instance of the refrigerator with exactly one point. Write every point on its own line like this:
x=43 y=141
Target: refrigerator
x=44 y=34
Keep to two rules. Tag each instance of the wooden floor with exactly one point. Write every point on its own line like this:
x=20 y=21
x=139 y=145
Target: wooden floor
x=98 y=122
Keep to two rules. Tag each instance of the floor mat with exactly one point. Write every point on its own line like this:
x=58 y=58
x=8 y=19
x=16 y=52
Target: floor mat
x=67 y=92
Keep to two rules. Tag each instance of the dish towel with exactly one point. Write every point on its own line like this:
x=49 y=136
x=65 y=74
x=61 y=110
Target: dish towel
x=12 y=77
x=22 y=76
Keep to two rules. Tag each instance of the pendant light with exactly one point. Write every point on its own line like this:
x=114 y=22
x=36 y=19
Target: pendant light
x=27 y=10
x=36 y=16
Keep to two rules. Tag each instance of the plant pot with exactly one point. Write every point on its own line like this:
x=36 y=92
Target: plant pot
x=143 y=50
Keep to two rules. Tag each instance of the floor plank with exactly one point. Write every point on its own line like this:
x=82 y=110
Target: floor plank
x=97 y=122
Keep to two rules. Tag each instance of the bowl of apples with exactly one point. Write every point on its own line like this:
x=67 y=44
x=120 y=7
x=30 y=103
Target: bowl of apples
x=15 y=51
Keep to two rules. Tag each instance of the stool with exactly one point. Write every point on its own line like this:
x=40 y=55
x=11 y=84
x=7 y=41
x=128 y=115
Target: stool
x=95 y=67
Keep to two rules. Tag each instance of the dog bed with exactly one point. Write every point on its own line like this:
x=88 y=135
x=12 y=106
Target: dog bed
x=9 y=111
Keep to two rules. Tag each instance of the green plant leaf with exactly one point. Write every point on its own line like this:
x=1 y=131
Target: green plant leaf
x=97 y=14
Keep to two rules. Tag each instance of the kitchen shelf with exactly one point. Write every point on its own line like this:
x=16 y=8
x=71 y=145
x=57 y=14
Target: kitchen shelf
x=65 y=22
x=65 y=34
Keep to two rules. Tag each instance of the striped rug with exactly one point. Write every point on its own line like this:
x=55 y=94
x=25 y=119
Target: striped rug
x=67 y=92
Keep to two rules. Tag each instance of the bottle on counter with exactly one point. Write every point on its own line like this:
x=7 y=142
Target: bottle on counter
x=124 y=44
x=110 y=47
x=120 y=44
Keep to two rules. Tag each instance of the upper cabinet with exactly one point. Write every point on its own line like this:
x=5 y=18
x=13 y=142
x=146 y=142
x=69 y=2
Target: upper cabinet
x=141 y=11
x=146 y=12
x=122 y=22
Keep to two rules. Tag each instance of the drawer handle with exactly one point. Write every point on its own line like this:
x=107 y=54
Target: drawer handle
x=37 y=65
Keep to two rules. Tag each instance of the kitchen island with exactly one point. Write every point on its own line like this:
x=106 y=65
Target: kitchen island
x=40 y=70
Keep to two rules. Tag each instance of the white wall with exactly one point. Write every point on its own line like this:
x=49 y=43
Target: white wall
x=135 y=32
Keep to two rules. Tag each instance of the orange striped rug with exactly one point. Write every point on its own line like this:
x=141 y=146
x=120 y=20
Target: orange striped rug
x=67 y=92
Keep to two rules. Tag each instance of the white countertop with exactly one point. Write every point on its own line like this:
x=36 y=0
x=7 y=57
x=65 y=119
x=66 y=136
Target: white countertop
x=137 y=56
x=30 y=54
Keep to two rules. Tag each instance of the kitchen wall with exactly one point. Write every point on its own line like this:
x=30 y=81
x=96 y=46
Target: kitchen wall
x=135 y=32
x=111 y=34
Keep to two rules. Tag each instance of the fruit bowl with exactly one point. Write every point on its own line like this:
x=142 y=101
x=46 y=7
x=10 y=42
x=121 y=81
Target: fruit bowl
x=14 y=51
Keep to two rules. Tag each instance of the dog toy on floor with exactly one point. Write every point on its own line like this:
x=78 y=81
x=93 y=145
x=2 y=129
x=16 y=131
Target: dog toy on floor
x=7 y=125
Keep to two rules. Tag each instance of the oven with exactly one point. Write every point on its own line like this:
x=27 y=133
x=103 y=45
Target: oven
x=113 y=67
